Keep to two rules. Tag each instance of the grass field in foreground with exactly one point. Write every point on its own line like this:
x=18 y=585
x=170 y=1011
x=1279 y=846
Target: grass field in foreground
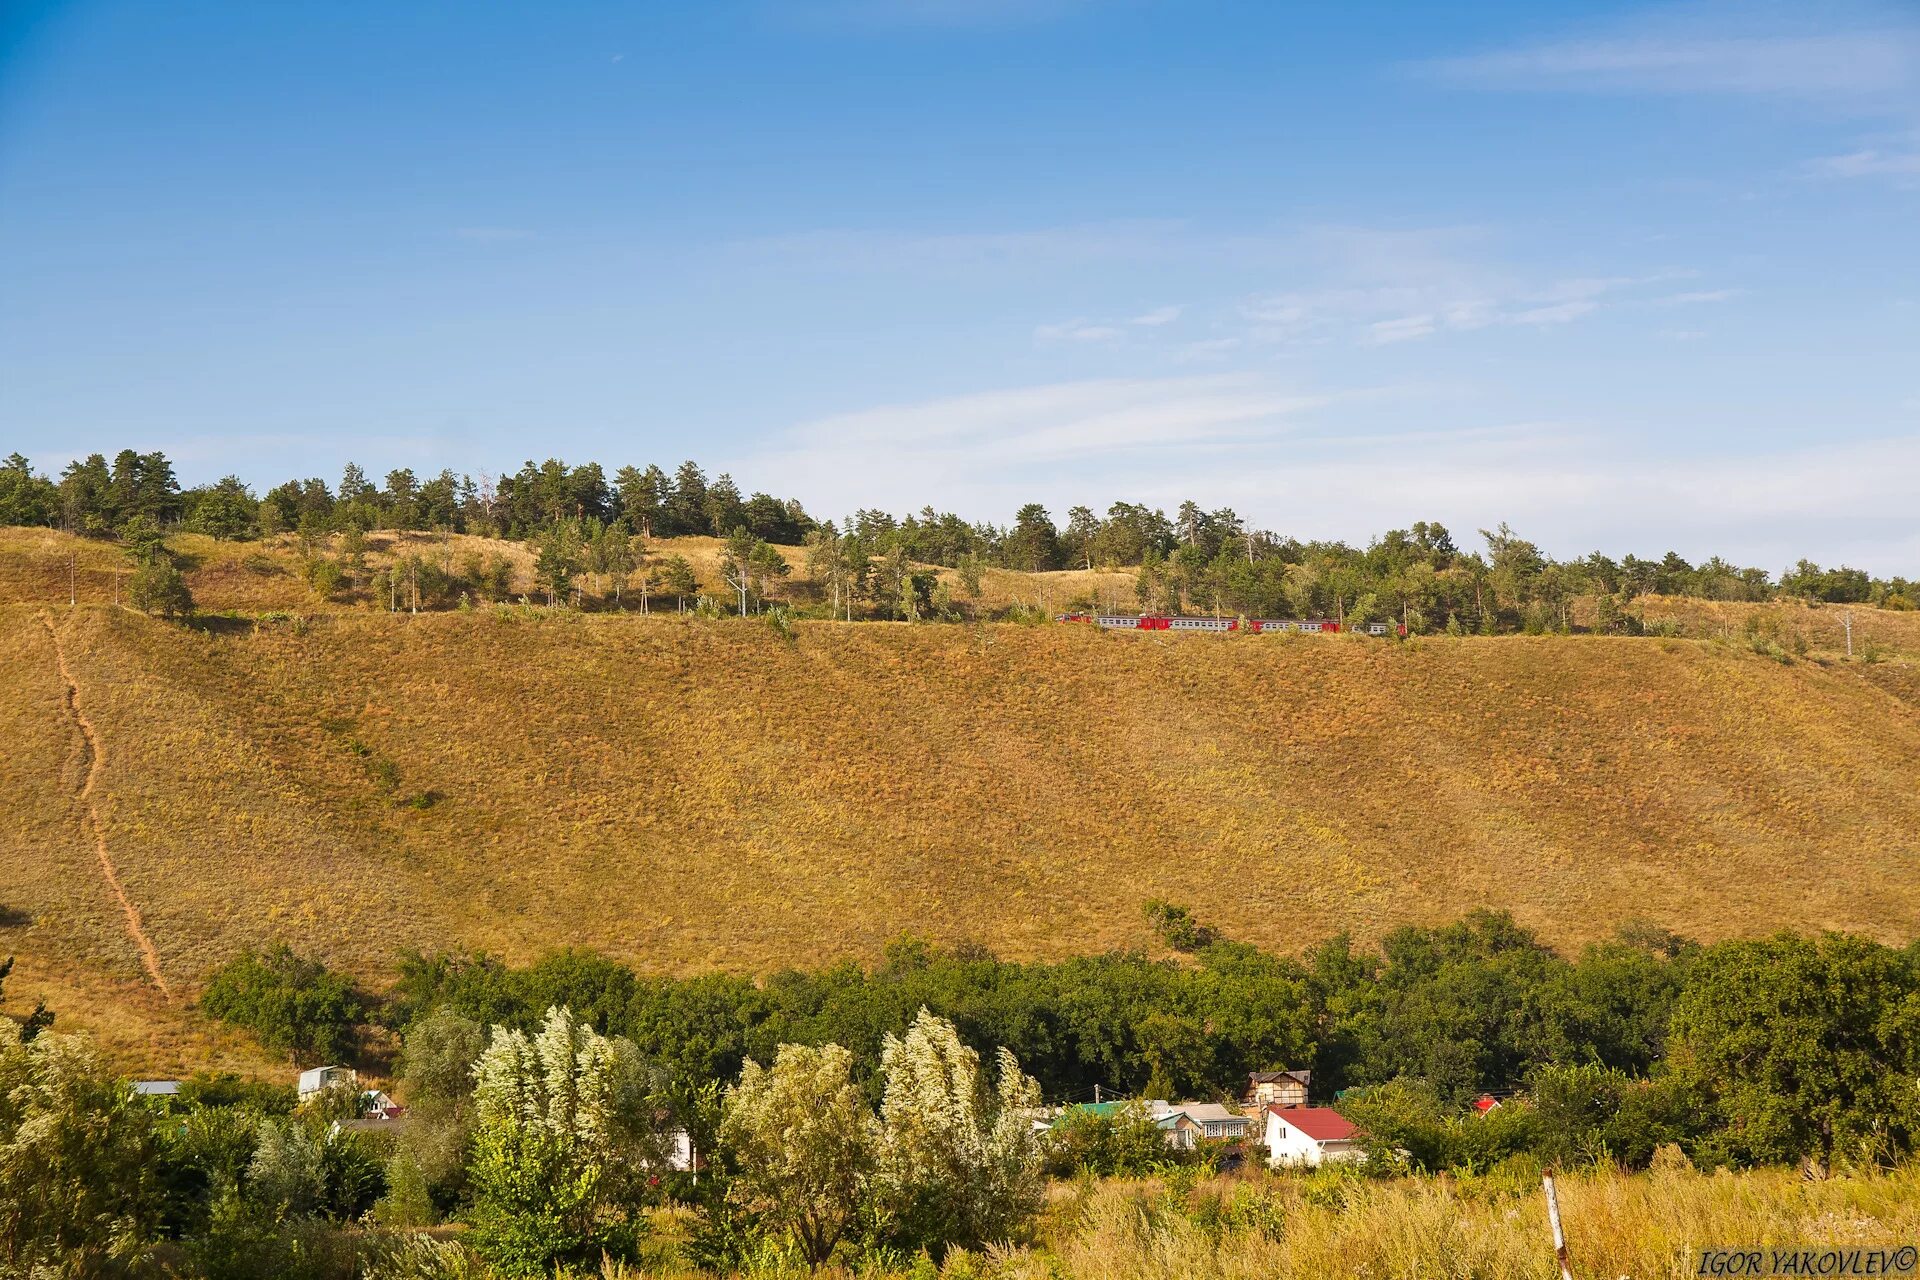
x=691 y=795
x=1321 y=1226
x=1491 y=1228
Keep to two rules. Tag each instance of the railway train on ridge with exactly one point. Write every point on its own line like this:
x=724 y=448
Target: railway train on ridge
x=1258 y=626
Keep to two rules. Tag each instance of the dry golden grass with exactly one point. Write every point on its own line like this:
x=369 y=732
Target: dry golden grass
x=1816 y=628
x=692 y=795
x=1321 y=1227
x=1495 y=1228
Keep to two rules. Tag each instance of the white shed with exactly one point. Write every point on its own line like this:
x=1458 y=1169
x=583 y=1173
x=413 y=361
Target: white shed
x=312 y=1082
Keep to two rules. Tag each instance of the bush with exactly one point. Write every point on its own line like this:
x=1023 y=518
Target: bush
x=1122 y=1142
x=158 y=587
x=242 y=1242
x=1408 y=1116
x=78 y=1191
x=226 y=1089
x=294 y=1005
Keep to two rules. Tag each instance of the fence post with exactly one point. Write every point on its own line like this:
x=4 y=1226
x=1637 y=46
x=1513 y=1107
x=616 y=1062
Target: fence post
x=1553 y=1218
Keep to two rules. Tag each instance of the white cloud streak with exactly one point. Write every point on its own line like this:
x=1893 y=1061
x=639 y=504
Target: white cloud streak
x=1870 y=162
x=1158 y=316
x=1295 y=462
x=1703 y=51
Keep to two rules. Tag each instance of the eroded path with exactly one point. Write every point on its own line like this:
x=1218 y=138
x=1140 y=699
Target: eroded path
x=90 y=771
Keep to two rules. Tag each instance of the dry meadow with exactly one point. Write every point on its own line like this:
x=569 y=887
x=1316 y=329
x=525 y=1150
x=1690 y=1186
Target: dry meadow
x=694 y=794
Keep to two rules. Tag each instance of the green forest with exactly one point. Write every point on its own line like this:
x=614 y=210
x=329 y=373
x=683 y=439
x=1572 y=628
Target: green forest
x=863 y=1115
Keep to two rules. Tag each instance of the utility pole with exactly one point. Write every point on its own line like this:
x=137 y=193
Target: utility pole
x=1559 y=1236
x=1846 y=620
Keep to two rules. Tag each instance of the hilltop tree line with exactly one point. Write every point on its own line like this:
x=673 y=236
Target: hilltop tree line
x=589 y=531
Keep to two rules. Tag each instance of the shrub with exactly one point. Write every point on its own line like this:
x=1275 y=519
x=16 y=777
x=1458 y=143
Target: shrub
x=158 y=587
x=1122 y=1142
x=78 y=1190
x=958 y=1160
x=544 y=1112
x=804 y=1140
x=294 y=1005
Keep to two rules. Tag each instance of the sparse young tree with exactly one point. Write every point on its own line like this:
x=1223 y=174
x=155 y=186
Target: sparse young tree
x=620 y=556
x=734 y=569
x=677 y=580
x=829 y=563
x=544 y=1125
x=959 y=1163
x=970 y=568
x=804 y=1141
x=79 y=1192
x=557 y=558
x=158 y=587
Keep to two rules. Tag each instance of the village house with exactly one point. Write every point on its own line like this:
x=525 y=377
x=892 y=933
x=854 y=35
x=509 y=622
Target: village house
x=1309 y=1136
x=317 y=1079
x=375 y=1104
x=1277 y=1088
x=1186 y=1123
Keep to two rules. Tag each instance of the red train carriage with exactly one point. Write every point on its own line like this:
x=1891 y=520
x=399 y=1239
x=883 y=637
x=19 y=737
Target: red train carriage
x=1168 y=622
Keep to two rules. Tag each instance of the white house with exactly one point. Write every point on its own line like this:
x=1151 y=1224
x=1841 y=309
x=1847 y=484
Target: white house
x=1309 y=1136
x=312 y=1082
x=681 y=1155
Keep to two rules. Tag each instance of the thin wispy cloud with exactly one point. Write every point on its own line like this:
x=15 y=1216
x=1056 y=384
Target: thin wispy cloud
x=1298 y=462
x=1158 y=316
x=491 y=235
x=986 y=447
x=1826 y=52
x=1450 y=297
x=1872 y=162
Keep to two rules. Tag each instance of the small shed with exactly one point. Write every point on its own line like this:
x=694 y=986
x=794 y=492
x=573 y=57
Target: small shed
x=319 y=1078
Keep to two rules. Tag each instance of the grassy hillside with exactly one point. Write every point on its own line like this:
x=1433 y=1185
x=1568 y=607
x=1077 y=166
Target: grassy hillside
x=50 y=567
x=692 y=795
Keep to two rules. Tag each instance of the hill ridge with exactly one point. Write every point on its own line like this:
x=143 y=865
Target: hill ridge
x=692 y=795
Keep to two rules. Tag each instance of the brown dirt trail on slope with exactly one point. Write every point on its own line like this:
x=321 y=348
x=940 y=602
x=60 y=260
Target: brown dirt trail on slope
x=90 y=771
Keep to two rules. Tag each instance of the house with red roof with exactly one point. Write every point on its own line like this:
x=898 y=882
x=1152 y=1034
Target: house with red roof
x=1309 y=1136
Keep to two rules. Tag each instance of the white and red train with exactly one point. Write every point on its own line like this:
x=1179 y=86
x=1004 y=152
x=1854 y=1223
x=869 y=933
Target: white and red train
x=1258 y=626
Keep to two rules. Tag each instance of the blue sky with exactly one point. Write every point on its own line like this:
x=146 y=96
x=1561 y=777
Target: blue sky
x=1628 y=276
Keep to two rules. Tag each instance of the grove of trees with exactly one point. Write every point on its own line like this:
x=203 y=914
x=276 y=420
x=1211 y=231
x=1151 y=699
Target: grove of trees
x=590 y=532
x=859 y=1116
